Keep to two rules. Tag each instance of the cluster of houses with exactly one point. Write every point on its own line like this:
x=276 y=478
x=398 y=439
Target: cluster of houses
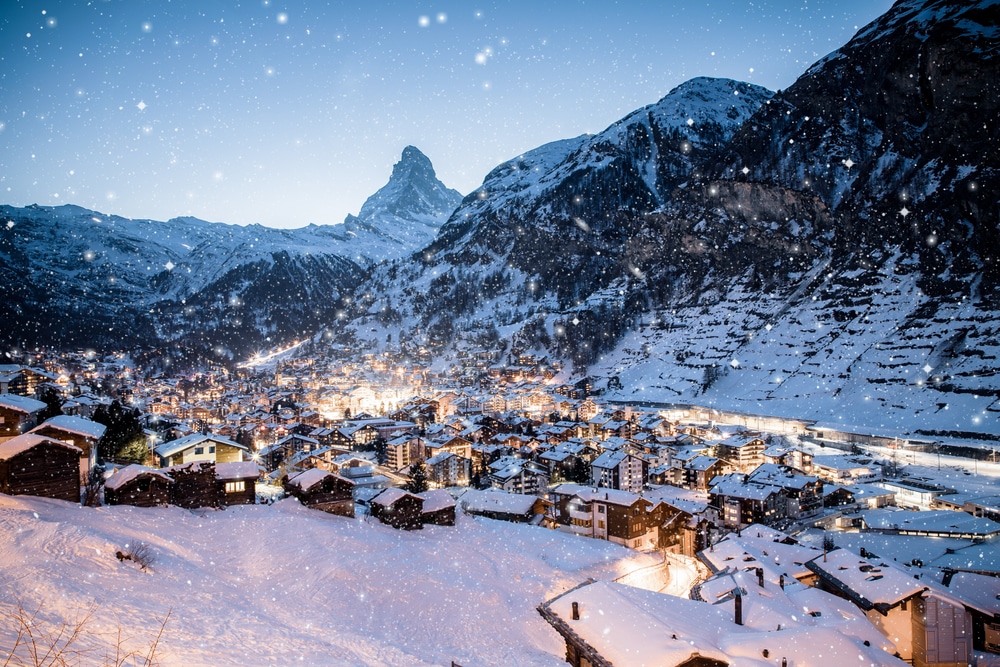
x=771 y=598
x=723 y=495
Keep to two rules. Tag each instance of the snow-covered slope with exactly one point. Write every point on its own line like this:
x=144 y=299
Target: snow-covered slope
x=283 y=584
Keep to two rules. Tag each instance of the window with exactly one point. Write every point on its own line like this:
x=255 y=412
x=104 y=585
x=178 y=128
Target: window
x=199 y=450
x=235 y=487
x=600 y=524
x=211 y=449
x=600 y=509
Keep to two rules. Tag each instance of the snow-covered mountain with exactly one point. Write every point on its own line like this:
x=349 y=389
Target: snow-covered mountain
x=75 y=277
x=406 y=213
x=829 y=252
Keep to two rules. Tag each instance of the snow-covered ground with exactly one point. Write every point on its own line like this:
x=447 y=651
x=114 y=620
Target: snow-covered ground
x=283 y=584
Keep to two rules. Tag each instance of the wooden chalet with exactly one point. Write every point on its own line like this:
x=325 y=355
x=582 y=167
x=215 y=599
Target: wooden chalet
x=200 y=447
x=195 y=485
x=438 y=508
x=237 y=482
x=139 y=486
x=17 y=414
x=322 y=490
x=398 y=508
x=35 y=465
x=514 y=507
x=77 y=431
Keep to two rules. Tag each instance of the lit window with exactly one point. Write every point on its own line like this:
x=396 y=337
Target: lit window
x=235 y=487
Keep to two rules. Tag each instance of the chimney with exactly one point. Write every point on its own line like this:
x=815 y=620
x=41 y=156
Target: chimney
x=760 y=577
x=781 y=582
x=738 y=599
x=576 y=611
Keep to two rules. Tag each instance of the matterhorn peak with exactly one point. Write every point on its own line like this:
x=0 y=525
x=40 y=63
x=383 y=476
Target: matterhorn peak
x=408 y=209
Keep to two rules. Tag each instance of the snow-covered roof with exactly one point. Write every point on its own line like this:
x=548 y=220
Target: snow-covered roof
x=439 y=457
x=122 y=477
x=391 y=495
x=237 y=470
x=759 y=546
x=497 y=501
x=869 y=584
x=75 y=425
x=939 y=522
x=20 y=403
x=633 y=626
x=436 y=500
x=26 y=441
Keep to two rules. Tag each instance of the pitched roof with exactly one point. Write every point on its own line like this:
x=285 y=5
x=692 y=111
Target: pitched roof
x=75 y=425
x=122 y=477
x=20 y=403
x=179 y=445
x=26 y=441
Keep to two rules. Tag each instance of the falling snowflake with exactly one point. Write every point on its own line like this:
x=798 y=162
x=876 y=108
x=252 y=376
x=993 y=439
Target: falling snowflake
x=904 y=212
x=141 y=106
x=169 y=266
x=848 y=163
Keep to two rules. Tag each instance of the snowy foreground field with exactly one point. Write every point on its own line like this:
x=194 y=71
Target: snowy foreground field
x=285 y=585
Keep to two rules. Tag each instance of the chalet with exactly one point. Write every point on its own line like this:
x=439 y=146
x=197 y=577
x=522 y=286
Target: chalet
x=607 y=514
x=438 y=508
x=978 y=594
x=514 y=507
x=398 y=508
x=18 y=414
x=138 y=485
x=200 y=447
x=34 y=465
x=237 y=482
x=76 y=431
x=195 y=485
x=619 y=470
x=323 y=490
x=927 y=629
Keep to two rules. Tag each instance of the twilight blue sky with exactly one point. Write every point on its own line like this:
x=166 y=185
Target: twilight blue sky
x=286 y=113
